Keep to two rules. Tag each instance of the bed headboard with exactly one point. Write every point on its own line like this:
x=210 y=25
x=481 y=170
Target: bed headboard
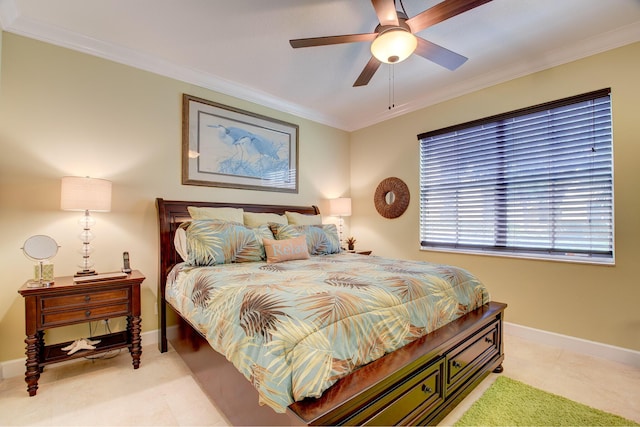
x=172 y=213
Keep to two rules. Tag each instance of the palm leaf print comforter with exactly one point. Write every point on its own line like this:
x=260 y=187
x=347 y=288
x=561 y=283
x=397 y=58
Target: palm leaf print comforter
x=294 y=328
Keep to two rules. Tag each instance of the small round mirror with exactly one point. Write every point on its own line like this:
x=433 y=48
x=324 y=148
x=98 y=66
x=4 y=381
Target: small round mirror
x=40 y=248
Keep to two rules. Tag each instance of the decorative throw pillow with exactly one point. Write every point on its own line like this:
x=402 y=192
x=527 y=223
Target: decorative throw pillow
x=225 y=214
x=254 y=219
x=302 y=219
x=321 y=239
x=211 y=242
x=286 y=250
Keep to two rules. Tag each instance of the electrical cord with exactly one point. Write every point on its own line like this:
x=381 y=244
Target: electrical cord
x=107 y=330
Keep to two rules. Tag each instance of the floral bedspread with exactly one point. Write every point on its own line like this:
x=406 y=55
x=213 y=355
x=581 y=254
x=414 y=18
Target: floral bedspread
x=294 y=328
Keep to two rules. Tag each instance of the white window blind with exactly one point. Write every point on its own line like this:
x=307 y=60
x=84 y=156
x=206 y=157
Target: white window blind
x=534 y=182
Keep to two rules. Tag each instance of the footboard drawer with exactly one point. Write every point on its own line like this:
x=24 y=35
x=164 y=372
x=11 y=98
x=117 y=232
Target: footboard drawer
x=418 y=394
x=464 y=360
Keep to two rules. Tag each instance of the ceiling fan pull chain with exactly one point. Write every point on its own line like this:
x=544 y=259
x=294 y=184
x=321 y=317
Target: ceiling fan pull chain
x=393 y=85
x=392 y=91
x=389 y=99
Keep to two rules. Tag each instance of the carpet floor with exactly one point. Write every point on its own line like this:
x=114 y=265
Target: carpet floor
x=512 y=403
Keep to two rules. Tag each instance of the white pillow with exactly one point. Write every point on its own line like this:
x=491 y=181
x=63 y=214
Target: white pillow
x=296 y=218
x=253 y=219
x=224 y=214
x=180 y=243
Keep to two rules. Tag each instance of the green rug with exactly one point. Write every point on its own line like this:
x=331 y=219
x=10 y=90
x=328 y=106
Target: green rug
x=512 y=403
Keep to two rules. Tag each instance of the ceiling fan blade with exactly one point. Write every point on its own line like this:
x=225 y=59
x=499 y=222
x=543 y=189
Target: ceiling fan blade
x=439 y=54
x=323 y=41
x=368 y=72
x=441 y=12
x=386 y=11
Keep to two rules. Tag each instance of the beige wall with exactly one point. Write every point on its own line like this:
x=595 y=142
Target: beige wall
x=596 y=303
x=67 y=113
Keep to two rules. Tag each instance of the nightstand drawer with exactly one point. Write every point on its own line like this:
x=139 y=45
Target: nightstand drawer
x=83 y=299
x=58 y=318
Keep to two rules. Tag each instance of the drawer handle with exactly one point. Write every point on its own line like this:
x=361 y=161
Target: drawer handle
x=87 y=298
x=455 y=364
x=426 y=389
x=87 y=313
x=488 y=340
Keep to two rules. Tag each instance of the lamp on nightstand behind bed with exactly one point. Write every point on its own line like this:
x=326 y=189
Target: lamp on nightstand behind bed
x=340 y=207
x=85 y=194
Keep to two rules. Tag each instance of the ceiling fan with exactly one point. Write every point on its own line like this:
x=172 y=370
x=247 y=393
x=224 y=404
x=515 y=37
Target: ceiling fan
x=394 y=39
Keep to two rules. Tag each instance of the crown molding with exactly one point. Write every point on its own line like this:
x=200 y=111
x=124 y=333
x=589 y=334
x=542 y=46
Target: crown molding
x=13 y=22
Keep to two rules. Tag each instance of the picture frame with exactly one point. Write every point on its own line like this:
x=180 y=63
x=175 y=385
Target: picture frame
x=223 y=146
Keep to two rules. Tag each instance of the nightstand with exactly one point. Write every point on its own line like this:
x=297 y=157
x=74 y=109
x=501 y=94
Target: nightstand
x=69 y=303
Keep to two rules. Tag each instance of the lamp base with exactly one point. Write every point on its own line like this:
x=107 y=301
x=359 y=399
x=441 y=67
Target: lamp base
x=85 y=273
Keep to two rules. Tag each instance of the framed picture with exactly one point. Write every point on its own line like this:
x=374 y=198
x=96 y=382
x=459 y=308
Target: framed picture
x=223 y=146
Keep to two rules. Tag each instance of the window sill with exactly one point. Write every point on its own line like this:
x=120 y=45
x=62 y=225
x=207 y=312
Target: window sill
x=576 y=259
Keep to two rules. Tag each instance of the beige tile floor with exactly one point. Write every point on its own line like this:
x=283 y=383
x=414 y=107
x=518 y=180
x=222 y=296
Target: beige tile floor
x=162 y=392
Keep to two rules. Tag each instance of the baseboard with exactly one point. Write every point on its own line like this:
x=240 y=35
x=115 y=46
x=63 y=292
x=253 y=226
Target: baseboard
x=578 y=345
x=15 y=368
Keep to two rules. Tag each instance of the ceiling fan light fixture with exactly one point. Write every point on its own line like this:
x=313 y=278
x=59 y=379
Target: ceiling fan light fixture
x=393 y=45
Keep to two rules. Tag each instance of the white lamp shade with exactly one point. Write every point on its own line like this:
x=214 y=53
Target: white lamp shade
x=394 y=45
x=340 y=206
x=84 y=193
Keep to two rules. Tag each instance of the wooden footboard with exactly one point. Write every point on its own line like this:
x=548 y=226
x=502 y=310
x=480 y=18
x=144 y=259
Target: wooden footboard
x=419 y=383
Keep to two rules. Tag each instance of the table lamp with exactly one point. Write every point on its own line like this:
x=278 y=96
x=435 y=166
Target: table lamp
x=340 y=207
x=85 y=194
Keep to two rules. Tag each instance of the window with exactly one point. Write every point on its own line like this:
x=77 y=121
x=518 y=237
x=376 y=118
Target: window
x=536 y=182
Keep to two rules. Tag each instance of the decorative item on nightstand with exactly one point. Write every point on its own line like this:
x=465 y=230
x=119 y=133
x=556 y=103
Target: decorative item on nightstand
x=40 y=248
x=340 y=207
x=351 y=242
x=85 y=194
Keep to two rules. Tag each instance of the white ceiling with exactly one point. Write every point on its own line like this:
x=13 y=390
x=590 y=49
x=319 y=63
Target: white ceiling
x=241 y=47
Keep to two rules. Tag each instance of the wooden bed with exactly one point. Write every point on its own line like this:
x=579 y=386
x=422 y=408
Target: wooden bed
x=417 y=384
